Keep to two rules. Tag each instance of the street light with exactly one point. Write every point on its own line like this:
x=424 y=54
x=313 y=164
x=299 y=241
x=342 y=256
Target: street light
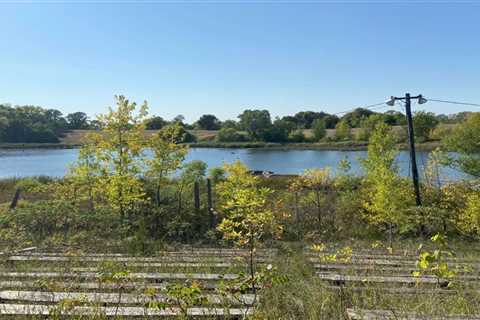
x=422 y=100
x=391 y=101
x=411 y=138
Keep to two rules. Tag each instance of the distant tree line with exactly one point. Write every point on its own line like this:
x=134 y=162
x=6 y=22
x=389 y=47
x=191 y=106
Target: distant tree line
x=33 y=124
x=26 y=124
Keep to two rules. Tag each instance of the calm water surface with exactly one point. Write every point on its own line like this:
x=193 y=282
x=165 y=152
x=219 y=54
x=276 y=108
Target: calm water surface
x=55 y=162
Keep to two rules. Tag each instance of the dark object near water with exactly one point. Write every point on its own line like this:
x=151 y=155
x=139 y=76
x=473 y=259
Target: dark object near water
x=15 y=198
x=196 y=195
x=260 y=173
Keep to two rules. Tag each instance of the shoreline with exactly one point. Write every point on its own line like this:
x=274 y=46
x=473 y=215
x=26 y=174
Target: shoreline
x=326 y=146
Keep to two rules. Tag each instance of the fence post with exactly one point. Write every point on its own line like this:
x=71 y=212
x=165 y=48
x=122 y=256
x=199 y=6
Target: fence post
x=210 y=202
x=14 y=202
x=196 y=195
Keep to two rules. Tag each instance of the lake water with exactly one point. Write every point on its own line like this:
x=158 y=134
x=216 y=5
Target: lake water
x=55 y=162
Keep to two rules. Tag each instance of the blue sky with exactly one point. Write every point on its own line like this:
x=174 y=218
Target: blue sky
x=220 y=58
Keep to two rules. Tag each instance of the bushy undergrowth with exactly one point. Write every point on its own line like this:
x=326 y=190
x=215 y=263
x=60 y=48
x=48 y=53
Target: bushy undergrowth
x=118 y=194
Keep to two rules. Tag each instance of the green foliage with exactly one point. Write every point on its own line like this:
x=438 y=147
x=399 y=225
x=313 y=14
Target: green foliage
x=394 y=118
x=388 y=197
x=255 y=122
x=305 y=119
x=355 y=118
x=182 y=135
x=217 y=174
x=465 y=140
x=297 y=136
x=246 y=216
x=434 y=262
x=118 y=154
x=278 y=132
x=229 y=135
x=77 y=120
x=423 y=124
x=441 y=132
x=319 y=129
x=155 y=123
x=469 y=218
x=167 y=158
x=343 y=131
x=368 y=126
x=208 y=122
x=316 y=186
x=31 y=124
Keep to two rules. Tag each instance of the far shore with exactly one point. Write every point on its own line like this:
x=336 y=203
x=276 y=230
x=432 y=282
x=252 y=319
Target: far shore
x=327 y=146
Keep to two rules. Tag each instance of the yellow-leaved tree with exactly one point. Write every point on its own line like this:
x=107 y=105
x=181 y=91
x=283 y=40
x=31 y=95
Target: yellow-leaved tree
x=469 y=218
x=112 y=162
x=168 y=155
x=316 y=186
x=387 y=196
x=247 y=217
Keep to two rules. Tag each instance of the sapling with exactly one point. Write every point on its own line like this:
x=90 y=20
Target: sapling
x=247 y=218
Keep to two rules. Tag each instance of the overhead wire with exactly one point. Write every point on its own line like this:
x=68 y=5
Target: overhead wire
x=383 y=105
x=374 y=106
x=454 y=102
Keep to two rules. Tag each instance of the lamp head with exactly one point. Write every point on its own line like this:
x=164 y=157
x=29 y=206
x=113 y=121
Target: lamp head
x=391 y=101
x=421 y=100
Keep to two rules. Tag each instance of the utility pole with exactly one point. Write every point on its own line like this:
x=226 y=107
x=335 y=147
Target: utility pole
x=411 y=141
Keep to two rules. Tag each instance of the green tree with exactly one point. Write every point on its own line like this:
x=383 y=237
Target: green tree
x=387 y=198
x=319 y=129
x=118 y=153
x=343 y=131
x=247 y=217
x=191 y=172
x=368 y=126
x=355 y=118
x=278 y=132
x=77 y=120
x=208 y=122
x=155 y=123
x=296 y=136
x=469 y=218
x=317 y=183
x=230 y=124
x=182 y=135
x=465 y=139
x=305 y=119
x=229 y=135
x=255 y=122
x=394 y=118
x=168 y=156
x=423 y=124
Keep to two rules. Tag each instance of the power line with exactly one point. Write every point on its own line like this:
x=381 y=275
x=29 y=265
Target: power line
x=382 y=105
x=374 y=106
x=455 y=102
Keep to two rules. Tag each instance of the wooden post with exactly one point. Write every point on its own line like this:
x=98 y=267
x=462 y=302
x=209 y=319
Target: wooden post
x=14 y=202
x=196 y=195
x=210 y=202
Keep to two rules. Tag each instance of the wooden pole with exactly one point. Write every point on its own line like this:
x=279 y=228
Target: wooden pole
x=14 y=202
x=196 y=195
x=411 y=140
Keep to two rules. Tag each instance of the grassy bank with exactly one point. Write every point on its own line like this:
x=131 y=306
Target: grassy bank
x=342 y=146
x=20 y=146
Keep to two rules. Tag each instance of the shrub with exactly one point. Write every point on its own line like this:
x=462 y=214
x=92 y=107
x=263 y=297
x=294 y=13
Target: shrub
x=319 y=129
x=297 y=136
x=229 y=135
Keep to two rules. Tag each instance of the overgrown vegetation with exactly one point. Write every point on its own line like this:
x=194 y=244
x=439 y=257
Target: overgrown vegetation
x=133 y=193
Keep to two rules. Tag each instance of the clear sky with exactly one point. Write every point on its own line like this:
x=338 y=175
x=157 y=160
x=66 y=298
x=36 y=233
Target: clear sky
x=222 y=57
